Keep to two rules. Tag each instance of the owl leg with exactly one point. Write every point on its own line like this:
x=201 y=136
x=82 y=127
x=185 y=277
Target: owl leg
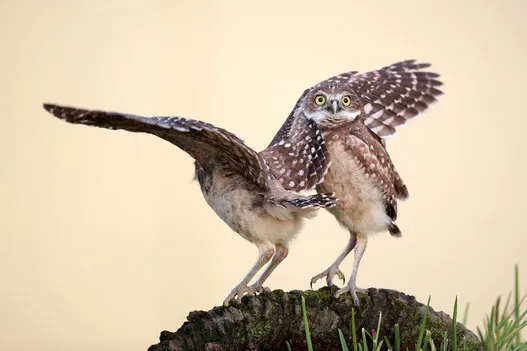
x=264 y=255
x=360 y=247
x=334 y=270
x=280 y=253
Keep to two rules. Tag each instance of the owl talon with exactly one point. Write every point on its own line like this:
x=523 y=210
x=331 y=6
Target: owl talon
x=352 y=290
x=237 y=294
x=239 y=291
x=329 y=273
x=258 y=288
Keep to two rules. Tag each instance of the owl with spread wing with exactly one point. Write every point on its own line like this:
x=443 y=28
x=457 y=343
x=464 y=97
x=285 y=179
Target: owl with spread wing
x=350 y=114
x=235 y=180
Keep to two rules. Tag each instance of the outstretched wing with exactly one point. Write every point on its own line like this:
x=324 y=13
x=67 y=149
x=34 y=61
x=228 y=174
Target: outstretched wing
x=207 y=144
x=395 y=93
x=297 y=155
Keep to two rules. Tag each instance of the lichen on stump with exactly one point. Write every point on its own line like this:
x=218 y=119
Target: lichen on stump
x=268 y=320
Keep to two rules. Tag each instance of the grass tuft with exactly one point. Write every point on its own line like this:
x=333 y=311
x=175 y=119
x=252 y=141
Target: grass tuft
x=501 y=331
x=502 y=328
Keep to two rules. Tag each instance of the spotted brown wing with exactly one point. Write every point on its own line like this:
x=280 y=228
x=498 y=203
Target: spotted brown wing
x=298 y=156
x=342 y=78
x=395 y=93
x=378 y=167
x=207 y=144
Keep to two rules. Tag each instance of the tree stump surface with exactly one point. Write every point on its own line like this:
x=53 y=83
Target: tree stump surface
x=266 y=321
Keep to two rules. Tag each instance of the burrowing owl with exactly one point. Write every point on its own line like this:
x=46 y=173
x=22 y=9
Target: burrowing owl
x=352 y=113
x=234 y=179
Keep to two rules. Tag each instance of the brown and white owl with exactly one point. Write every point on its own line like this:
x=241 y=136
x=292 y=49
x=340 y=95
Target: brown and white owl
x=349 y=115
x=234 y=179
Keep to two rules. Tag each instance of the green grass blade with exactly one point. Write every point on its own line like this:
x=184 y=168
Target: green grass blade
x=343 y=341
x=517 y=300
x=427 y=341
x=454 y=327
x=480 y=334
x=288 y=346
x=364 y=342
x=465 y=313
x=432 y=345
x=490 y=324
x=376 y=337
x=353 y=330
x=306 y=325
x=397 y=339
x=505 y=310
x=422 y=328
x=444 y=345
x=388 y=345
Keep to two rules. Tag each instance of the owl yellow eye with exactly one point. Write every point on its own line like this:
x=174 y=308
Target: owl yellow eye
x=320 y=100
x=346 y=100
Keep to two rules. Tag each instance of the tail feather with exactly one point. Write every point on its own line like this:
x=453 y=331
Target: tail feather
x=394 y=230
x=324 y=200
x=305 y=206
x=401 y=191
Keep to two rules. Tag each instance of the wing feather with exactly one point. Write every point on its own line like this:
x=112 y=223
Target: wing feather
x=378 y=167
x=394 y=94
x=206 y=143
x=298 y=155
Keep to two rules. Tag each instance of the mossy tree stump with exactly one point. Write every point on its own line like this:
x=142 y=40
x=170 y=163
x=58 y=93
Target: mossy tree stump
x=267 y=321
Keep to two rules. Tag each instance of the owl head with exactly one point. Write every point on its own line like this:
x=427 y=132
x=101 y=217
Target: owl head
x=332 y=103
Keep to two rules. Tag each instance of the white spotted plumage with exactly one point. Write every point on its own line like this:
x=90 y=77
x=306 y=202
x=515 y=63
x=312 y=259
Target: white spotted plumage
x=362 y=174
x=235 y=180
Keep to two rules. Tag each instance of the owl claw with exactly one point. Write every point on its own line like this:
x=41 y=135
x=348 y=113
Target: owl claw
x=329 y=274
x=352 y=290
x=238 y=292
x=258 y=288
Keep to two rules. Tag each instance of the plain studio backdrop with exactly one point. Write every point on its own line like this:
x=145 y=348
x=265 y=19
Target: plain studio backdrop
x=105 y=238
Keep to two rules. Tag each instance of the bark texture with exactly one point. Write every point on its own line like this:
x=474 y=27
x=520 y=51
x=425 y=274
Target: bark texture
x=268 y=320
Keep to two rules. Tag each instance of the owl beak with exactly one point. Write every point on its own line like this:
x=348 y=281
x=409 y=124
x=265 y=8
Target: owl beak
x=334 y=106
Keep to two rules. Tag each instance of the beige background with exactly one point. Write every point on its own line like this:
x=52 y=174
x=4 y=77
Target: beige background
x=106 y=241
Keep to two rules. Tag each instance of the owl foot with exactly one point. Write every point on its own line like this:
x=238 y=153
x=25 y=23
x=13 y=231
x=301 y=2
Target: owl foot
x=238 y=292
x=258 y=288
x=352 y=290
x=329 y=273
